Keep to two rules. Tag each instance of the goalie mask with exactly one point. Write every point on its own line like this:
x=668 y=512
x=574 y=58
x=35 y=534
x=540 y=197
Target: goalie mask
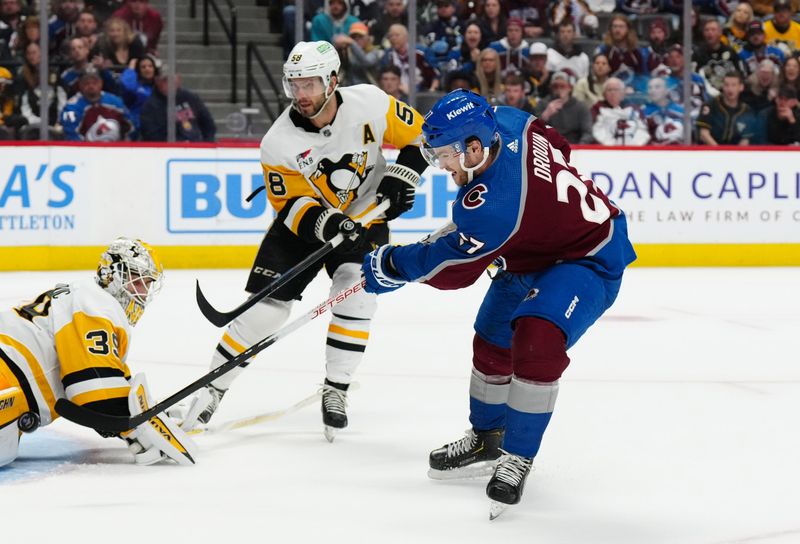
x=131 y=272
x=307 y=76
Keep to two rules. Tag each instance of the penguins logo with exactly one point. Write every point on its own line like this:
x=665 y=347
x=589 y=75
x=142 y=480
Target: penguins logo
x=339 y=181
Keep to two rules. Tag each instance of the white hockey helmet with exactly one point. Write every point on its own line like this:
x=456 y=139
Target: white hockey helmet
x=310 y=59
x=132 y=273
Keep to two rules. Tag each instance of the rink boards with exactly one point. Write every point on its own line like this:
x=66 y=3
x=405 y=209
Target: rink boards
x=59 y=204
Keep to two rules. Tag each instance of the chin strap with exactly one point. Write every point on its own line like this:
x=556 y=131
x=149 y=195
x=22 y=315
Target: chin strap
x=471 y=171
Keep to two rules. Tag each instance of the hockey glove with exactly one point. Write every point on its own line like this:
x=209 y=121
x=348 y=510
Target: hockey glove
x=398 y=187
x=332 y=222
x=379 y=272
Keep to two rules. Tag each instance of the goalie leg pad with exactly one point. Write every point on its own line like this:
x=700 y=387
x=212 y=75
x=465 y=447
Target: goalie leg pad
x=254 y=325
x=160 y=433
x=11 y=407
x=348 y=332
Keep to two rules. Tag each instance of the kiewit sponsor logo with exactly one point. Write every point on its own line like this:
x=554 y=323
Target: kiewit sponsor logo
x=571 y=308
x=458 y=111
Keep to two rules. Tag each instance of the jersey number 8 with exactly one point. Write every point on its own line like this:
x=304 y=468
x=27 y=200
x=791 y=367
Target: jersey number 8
x=276 y=184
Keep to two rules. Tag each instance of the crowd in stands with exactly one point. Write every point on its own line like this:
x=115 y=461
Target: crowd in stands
x=601 y=71
x=105 y=83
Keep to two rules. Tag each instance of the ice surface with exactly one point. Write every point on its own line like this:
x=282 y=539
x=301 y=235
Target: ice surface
x=677 y=422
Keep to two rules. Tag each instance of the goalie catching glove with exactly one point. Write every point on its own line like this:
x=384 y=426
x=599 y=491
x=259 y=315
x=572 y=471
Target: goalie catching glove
x=159 y=438
x=398 y=186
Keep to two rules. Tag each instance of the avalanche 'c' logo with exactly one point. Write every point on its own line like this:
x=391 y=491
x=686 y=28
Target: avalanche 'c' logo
x=474 y=198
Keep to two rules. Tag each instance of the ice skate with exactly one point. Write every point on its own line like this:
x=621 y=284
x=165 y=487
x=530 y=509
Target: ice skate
x=334 y=408
x=473 y=456
x=505 y=487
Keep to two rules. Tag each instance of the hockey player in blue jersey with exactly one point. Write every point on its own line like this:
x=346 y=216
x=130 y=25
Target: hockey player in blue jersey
x=562 y=247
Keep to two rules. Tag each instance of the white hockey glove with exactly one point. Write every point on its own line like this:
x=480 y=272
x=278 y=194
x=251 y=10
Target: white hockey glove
x=159 y=438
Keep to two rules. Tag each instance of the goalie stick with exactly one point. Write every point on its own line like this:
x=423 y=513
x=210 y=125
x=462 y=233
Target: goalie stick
x=220 y=319
x=262 y=418
x=117 y=424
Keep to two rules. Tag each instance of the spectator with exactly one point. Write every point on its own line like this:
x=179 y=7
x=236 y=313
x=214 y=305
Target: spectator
x=615 y=122
x=366 y=11
x=578 y=11
x=735 y=32
x=460 y=79
x=79 y=56
x=664 y=117
x=654 y=55
x=144 y=20
x=589 y=89
x=533 y=14
x=120 y=46
x=565 y=55
x=389 y=82
x=193 y=121
x=489 y=77
x=700 y=89
x=10 y=26
x=445 y=27
x=136 y=85
x=394 y=13
x=761 y=87
x=790 y=73
x=638 y=7
x=28 y=33
x=726 y=120
x=86 y=28
x=62 y=25
x=7 y=103
x=494 y=21
x=561 y=111
x=29 y=92
x=536 y=73
x=783 y=119
x=337 y=20
x=103 y=9
x=94 y=115
x=620 y=47
x=288 y=11
x=441 y=57
x=470 y=48
x=756 y=49
x=514 y=93
x=360 y=59
x=781 y=31
x=512 y=48
x=714 y=58
x=397 y=54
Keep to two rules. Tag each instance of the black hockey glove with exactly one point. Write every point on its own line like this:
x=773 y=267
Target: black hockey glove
x=398 y=187
x=332 y=222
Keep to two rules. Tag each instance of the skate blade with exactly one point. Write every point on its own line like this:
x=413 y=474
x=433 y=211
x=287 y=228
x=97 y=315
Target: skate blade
x=330 y=433
x=495 y=509
x=482 y=469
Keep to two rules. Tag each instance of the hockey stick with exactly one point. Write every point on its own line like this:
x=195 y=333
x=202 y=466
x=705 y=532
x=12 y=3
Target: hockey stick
x=117 y=424
x=262 y=418
x=220 y=319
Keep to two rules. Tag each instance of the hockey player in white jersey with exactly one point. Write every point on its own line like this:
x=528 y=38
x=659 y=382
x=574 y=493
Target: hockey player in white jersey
x=72 y=342
x=323 y=168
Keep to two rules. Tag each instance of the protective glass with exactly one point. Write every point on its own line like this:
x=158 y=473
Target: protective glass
x=303 y=87
x=438 y=157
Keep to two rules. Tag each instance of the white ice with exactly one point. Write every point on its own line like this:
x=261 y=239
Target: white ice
x=677 y=422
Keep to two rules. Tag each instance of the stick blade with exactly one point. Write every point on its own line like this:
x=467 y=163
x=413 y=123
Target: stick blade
x=89 y=418
x=217 y=318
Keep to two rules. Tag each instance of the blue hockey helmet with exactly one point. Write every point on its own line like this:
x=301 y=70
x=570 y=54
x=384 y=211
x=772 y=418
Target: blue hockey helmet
x=457 y=117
